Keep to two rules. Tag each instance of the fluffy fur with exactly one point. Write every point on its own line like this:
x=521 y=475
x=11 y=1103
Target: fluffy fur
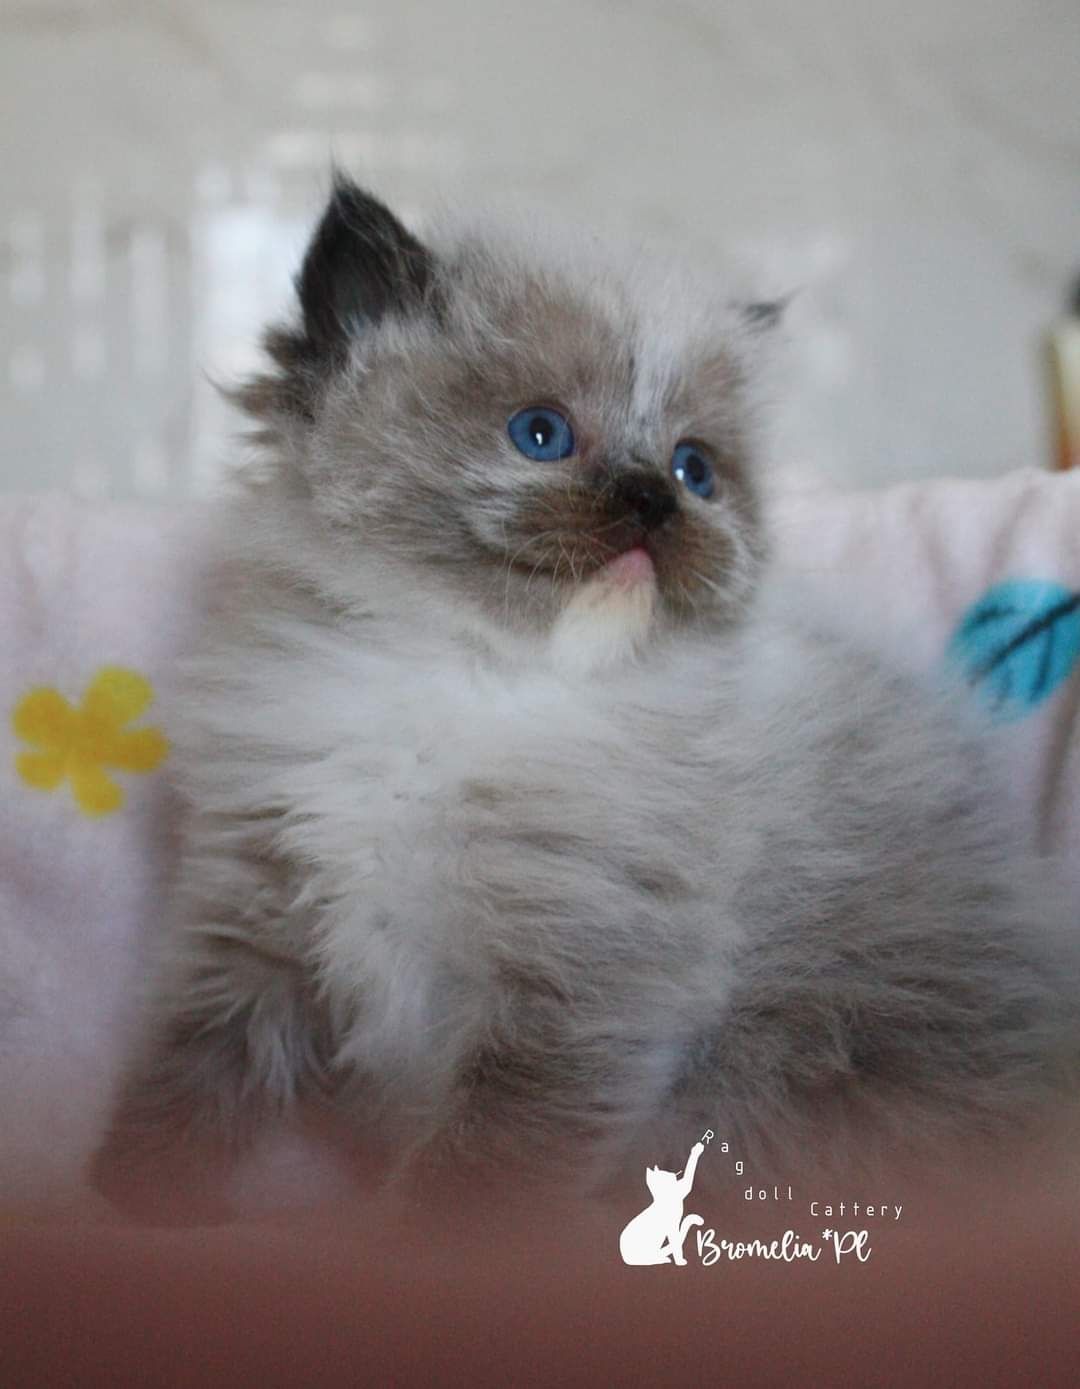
x=517 y=853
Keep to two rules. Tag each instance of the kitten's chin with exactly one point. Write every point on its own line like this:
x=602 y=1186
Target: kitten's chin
x=609 y=617
x=629 y=570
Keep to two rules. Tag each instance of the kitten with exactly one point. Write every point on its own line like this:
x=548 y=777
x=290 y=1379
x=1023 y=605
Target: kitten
x=657 y=1234
x=528 y=825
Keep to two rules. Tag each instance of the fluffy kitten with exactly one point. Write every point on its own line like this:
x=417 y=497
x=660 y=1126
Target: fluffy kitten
x=525 y=825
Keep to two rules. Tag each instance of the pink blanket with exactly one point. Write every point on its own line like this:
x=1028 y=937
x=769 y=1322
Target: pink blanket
x=95 y=603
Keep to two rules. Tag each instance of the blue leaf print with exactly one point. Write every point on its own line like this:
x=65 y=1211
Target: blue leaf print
x=1018 y=643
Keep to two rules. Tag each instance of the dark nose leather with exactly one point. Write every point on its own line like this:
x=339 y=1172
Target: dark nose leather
x=648 y=497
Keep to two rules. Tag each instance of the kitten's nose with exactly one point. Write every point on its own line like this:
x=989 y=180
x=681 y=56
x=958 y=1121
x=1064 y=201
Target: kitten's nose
x=649 y=497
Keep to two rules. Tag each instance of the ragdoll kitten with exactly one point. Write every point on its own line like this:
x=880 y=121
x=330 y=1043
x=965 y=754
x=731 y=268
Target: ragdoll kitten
x=526 y=830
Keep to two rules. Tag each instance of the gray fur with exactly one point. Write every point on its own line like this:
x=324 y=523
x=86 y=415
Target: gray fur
x=502 y=874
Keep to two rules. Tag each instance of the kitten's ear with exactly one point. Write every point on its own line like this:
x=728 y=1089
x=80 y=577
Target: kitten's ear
x=361 y=264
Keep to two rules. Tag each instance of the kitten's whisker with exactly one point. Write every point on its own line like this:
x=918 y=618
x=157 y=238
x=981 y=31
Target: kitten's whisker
x=569 y=556
x=512 y=563
x=706 y=582
x=532 y=540
x=535 y=570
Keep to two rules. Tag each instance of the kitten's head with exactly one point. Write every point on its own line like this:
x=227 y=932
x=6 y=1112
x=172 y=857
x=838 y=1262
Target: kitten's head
x=522 y=426
x=660 y=1182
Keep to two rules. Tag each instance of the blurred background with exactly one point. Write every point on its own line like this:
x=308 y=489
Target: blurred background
x=911 y=166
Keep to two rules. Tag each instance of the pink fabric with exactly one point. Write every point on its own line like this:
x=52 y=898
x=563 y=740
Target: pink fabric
x=900 y=568
x=82 y=589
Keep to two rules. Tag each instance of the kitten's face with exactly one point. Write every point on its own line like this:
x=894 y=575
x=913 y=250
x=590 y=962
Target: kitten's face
x=517 y=430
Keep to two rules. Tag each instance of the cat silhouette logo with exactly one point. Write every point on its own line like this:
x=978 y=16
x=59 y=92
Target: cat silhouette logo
x=656 y=1235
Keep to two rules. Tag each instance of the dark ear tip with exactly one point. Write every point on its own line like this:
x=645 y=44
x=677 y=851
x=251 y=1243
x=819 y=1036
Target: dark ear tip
x=361 y=264
x=347 y=196
x=341 y=180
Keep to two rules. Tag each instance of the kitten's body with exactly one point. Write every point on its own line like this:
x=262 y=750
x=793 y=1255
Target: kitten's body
x=657 y=1234
x=561 y=867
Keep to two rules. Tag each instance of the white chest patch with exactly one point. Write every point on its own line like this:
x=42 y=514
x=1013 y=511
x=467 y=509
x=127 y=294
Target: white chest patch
x=608 y=618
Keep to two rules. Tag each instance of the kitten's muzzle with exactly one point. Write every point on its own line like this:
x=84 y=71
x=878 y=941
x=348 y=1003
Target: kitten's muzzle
x=644 y=497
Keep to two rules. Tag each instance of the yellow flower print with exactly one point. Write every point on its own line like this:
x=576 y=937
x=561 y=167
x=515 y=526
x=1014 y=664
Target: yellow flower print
x=80 y=743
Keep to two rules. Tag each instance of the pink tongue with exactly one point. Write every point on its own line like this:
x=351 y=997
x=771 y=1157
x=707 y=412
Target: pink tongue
x=634 y=567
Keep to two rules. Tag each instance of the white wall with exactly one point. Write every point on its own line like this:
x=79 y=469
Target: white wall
x=912 y=165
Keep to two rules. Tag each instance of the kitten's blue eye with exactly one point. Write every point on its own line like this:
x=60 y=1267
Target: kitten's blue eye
x=690 y=466
x=541 y=433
